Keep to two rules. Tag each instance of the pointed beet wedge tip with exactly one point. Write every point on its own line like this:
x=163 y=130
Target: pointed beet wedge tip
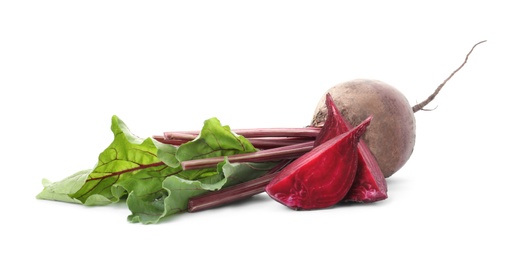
x=335 y=124
x=322 y=177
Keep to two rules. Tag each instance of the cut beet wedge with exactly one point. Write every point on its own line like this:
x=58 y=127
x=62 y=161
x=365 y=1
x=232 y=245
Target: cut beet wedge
x=369 y=184
x=321 y=177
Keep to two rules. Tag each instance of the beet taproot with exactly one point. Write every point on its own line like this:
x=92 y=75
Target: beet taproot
x=323 y=176
x=369 y=184
x=392 y=134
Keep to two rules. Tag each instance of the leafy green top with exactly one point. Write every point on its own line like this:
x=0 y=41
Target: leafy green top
x=148 y=173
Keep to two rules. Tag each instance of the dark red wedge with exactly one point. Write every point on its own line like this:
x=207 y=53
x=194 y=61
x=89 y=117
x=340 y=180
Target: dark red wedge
x=323 y=176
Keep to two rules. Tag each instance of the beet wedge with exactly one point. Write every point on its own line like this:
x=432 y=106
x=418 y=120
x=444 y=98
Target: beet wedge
x=369 y=184
x=321 y=177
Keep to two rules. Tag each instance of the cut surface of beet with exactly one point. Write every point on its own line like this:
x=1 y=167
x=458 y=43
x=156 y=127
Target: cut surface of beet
x=369 y=184
x=323 y=176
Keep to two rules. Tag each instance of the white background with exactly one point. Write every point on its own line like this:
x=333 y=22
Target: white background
x=67 y=66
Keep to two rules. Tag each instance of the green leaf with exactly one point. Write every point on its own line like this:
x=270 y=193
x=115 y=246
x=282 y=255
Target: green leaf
x=167 y=154
x=236 y=173
x=214 y=140
x=172 y=199
x=127 y=156
x=176 y=191
x=60 y=191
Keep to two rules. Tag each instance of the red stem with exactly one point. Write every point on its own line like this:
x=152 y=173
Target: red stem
x=257 y=132
x=286 y=152
x=260 y=142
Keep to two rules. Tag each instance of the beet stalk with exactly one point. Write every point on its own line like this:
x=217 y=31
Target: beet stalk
x=261 y=138
x=257 y=142
x=256 y=132
x=275 y=154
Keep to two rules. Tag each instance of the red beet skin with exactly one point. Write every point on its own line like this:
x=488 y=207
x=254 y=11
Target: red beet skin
x=322 y=177
x=369 y=184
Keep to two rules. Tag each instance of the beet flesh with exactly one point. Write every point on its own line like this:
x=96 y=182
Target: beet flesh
x=323 y=176
x=369 y=184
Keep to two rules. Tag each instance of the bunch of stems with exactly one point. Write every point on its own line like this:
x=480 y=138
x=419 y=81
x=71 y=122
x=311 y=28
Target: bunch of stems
x=281 y=145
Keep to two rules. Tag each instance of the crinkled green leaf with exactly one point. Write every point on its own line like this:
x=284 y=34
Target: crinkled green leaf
x=144 y=184
x=236 y=173
x=177 y=191
x=214 y=140
x=172 y=199
x=166 y=153
x=127 y=156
